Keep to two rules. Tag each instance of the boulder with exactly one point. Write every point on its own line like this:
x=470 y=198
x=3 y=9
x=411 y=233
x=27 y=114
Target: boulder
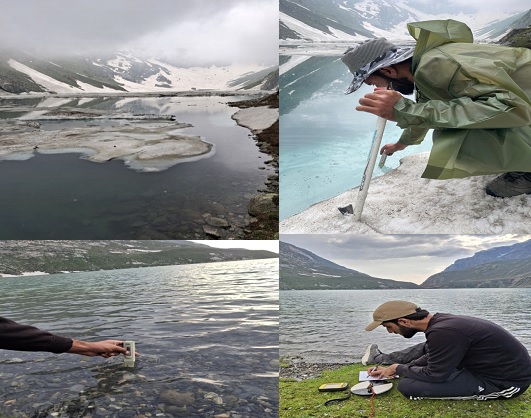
x=263 y=203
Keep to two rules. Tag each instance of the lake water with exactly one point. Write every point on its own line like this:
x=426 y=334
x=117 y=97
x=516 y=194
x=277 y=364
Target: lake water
x=329 y=326
x=207 y=336
x=324 y=141
x=61 y=196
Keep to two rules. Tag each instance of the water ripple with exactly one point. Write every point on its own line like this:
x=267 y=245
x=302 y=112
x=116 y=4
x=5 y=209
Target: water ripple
x=199 y=329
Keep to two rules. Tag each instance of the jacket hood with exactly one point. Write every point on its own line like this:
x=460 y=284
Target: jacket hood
x=433 y=33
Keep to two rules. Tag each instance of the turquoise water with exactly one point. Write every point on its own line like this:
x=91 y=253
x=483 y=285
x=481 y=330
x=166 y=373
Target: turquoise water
x=324 y=141
x=207 y=335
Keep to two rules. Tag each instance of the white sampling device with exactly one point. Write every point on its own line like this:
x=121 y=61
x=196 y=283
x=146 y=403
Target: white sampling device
x=129 y=360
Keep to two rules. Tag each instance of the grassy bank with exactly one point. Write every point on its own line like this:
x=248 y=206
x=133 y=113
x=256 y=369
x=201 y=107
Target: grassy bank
x=303 y=400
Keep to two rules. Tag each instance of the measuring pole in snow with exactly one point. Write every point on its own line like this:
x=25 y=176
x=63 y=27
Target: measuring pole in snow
x=369 y=168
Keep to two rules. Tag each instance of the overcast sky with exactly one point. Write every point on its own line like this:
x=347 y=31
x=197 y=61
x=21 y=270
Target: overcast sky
x=190 y=32
x=411 y=258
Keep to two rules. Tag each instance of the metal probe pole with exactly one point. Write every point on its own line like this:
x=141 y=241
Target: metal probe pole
x=369 y=168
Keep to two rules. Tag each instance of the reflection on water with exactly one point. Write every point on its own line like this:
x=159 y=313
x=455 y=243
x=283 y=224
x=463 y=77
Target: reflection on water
x=207 y=337
x=63 y=196
x=308 y=323
x=324 y=141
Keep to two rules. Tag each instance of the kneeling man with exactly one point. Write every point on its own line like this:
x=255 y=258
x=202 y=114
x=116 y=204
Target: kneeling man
x=466 y=357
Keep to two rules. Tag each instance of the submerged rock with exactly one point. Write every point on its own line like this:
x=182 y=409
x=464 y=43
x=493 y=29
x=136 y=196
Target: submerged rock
x=212 y=231
x=263 y=203
x=218 y=222
x=176 y=398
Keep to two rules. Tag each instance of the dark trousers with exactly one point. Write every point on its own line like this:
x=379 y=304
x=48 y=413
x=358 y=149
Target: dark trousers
x=404 y=356
x=461 y=385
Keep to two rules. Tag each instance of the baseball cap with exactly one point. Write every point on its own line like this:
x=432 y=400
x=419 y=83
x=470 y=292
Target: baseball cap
x=369 y=56
x=390 y=310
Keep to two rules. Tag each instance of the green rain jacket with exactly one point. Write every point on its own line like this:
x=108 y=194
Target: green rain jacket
x=475 y=97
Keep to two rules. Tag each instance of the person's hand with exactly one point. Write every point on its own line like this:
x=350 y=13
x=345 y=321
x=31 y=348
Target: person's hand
x=390 y=149
x=107 y=348
x=380 y=103
x=383 y=372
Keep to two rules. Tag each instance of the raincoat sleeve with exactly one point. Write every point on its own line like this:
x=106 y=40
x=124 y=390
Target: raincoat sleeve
x=472 y=97
x=413 y=135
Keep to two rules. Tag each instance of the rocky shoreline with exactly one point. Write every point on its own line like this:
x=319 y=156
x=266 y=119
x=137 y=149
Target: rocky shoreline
x=300 y=370
x=264 y=205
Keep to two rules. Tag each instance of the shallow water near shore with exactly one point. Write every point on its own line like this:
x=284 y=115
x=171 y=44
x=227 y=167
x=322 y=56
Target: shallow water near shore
x=206 y=334
x=327 y=326
x=65 y=196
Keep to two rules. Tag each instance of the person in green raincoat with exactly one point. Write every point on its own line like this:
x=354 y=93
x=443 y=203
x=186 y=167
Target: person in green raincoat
x=475 y=97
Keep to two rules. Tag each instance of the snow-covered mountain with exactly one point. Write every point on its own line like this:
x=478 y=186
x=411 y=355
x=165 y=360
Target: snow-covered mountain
x=355 y=20
x=24 y=72
x=497 y=30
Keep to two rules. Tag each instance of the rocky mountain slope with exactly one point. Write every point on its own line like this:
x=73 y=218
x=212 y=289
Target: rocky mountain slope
x=22 y=72
x=19 y=257
x=520 y=33
x=355 y=20
x=303 y=270
x=507 y=266
x=501 y=29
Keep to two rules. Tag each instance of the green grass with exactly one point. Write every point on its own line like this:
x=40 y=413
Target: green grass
x=303 y=400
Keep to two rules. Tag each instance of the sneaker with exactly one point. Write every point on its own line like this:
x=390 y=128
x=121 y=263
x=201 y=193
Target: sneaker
x=510 y=184
x=370 y=354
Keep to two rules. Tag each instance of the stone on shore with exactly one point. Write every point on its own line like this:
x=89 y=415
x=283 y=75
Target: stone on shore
x=262 y=203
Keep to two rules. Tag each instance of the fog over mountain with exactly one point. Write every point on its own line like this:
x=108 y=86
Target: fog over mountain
x=180 y=32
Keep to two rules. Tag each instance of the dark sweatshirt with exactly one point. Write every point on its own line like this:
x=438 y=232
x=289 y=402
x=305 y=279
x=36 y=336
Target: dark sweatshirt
x=14 y=336
x=480 y=346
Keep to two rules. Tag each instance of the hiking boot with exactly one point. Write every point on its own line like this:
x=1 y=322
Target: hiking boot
x=510 y=184
x=370 y=354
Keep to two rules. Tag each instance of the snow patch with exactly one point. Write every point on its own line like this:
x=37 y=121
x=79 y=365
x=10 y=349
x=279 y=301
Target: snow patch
x=292 y=63
x=28 y=273
x=401 y=202
x=256 y=118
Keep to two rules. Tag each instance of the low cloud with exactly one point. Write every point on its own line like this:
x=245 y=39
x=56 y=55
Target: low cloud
x=199 y=32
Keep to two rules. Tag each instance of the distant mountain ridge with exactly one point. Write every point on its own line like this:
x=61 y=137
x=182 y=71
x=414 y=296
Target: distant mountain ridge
x=22 y=72
x=498 y=267
x=499 y=29
x=506 y=266
x=20 y=257
x=520 y=32
x=303 y=270
x=355 y=20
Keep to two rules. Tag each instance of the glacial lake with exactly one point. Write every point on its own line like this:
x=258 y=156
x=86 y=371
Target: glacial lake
x=324 y=141
x=206 y=334
x=327 y=326
x=64 y=196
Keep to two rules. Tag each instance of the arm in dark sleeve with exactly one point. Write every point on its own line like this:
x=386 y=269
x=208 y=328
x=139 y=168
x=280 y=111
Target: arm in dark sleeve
x=14 y=336
x=446 y=349
x=421 y=361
